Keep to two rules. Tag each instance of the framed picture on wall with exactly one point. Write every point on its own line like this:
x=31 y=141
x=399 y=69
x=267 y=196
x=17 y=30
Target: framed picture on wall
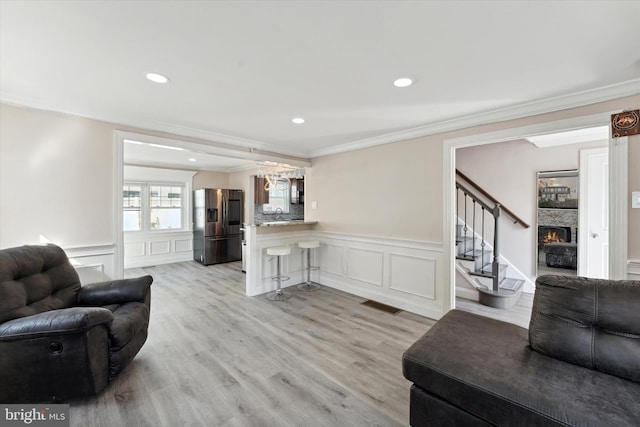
x=558 y=189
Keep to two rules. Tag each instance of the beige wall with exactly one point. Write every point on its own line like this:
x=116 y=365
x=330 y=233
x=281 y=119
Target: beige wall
x=57 y=173
x=508 y=172
x=396 y=190
x=56 y=178
x=210 y=179
x=392 y=190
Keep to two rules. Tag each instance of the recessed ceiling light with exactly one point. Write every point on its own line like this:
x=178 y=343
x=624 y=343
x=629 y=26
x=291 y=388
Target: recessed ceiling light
x=157 y=78
x=298 y=120
x=191 y=159
x=403 y=82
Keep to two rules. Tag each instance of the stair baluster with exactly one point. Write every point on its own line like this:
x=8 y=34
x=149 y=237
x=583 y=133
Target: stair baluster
x=482 y=243
x=473 y=229
x=495 y=266
x=457 y=216
x=465 y=223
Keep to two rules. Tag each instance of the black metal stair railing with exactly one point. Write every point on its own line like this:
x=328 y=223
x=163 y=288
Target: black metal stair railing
x=487 y=196
x=469 y=197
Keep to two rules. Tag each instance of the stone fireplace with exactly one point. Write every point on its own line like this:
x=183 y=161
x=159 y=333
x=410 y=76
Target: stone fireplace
x=556 y=226
x=560 y=218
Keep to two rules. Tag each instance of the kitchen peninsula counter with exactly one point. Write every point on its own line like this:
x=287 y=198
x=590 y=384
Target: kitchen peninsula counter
x=278 y=224
x=260 y=267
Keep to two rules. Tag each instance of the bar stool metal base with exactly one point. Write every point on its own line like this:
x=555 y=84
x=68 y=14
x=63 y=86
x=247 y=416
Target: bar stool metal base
x=308 y=286
x=278 y=295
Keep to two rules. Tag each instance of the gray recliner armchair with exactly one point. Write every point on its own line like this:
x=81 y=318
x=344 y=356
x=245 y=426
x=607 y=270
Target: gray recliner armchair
x=60 y=340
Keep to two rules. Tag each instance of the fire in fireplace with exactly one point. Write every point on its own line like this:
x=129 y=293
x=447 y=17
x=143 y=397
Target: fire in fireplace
x=549 y=234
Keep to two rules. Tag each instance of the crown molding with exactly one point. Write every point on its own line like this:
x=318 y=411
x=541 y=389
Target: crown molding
x=548 y=105
x=156 y=126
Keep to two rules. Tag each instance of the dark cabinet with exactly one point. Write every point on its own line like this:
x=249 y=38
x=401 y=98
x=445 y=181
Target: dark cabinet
x=297 y=191
x=261 y=196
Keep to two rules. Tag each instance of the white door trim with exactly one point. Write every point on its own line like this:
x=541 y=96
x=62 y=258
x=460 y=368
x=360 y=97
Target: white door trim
x=618 y=213
x=583 y=211
x=617 y=192
x=118 y=182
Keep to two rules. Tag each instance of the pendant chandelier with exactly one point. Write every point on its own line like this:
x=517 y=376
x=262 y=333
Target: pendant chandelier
x=280 y=177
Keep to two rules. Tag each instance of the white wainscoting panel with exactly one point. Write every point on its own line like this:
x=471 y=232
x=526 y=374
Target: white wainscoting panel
x=183 y=245
x=365 y=265
x=332 y=259
x=160 y=247
x=91 y=273
x=154 y=248
x=413 y=275
x=94 y=263
x=135 y=249
x=401 y=273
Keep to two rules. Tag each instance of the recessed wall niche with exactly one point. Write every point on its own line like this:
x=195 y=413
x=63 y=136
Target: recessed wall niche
x=557 y=242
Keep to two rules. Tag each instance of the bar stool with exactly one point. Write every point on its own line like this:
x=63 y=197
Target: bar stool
x=309 y=285
x=278 y=294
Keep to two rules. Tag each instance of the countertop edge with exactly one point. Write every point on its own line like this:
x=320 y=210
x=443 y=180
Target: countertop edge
x=283 y=224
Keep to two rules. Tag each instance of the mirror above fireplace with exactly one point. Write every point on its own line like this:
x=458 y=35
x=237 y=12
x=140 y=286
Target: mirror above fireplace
x=557 y=242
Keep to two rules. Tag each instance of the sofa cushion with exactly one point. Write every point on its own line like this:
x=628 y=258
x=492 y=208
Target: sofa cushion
x=588 y=322
x=487 y=368
x=35 y=279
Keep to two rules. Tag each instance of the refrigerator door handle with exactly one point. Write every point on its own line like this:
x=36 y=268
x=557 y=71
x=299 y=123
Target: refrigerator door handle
x=225 y=218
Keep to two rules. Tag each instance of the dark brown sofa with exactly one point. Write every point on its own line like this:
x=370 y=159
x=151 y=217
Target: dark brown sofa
x=577 y=365
x=60 y=340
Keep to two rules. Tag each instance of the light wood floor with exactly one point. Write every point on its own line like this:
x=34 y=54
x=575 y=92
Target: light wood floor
x=519 y=314
x=215 y=357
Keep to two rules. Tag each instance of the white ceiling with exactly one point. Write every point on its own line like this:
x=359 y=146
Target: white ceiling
x=241 y=70
x=139 y=153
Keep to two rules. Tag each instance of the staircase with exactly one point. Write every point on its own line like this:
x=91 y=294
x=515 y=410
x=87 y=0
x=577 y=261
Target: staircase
x=477 y=260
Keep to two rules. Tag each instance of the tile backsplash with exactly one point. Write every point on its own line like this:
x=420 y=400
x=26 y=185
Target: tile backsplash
x=296 y=212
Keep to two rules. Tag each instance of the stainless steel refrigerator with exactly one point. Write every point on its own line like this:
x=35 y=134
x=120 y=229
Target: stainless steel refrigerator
x=217 y=220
